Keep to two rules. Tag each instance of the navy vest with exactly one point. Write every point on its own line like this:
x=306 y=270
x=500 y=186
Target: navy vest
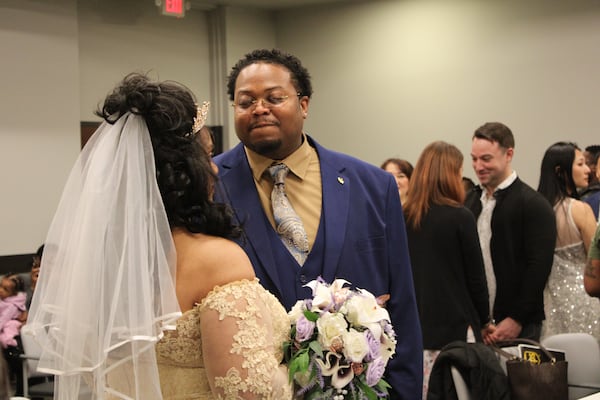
x=292 y=276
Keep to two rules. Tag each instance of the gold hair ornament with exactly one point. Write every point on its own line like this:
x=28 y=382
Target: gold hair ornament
x=201 y=114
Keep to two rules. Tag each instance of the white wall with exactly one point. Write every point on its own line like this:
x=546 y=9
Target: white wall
x=247 y=29
x=138 y=38
x=59 y=60
x=389 y=77
x=392 y=76
x=39 y=116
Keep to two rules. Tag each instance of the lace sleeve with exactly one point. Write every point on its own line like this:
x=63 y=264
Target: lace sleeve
x=243 y=329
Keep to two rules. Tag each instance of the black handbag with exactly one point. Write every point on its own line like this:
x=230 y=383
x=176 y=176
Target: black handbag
x=542 y=380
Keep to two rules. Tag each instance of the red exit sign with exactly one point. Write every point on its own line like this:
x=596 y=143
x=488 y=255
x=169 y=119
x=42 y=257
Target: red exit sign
x=175 y=8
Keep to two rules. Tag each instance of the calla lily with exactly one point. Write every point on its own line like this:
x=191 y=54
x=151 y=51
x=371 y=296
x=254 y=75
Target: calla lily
x=341 y=375
x=363 y=310
x=322 y=297
x=339 y=292
x=338 y=285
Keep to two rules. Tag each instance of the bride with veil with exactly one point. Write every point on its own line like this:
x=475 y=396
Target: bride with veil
x=142 y=295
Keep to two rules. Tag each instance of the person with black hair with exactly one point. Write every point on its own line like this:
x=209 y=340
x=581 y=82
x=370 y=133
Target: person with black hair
x=402 y=171
x=591 y=155
x=34 y=274
x=566 y=305
x=593 y=197
x=141 y=293
x=468 y=184
x=591 y=274
x=347 y=220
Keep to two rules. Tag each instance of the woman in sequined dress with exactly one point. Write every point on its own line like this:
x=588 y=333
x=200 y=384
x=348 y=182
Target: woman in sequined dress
x=567 y=306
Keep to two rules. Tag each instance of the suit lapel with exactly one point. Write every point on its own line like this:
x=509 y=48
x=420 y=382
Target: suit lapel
x=249 y=211
x=336 y=201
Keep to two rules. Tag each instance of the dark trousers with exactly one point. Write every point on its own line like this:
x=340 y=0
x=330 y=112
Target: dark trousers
x=12 y=355
x=532 y=330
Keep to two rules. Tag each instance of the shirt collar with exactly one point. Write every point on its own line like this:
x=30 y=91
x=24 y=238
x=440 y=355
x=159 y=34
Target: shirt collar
x=297 y=162
x=503 y=185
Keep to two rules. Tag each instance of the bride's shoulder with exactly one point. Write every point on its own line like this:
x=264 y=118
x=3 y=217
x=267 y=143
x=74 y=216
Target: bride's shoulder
x=217 y=251
x=206 y=261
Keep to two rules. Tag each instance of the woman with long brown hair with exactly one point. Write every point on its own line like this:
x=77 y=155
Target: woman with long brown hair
x=448 y=270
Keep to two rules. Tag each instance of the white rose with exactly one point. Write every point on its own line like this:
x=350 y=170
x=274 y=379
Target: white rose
x=296 y=311
x=355 y=346
x=330 y=327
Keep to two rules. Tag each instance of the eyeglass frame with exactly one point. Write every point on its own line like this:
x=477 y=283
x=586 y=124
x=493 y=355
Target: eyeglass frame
x=264 y=102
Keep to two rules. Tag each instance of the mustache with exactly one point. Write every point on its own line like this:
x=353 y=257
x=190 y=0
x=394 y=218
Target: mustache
x=263 y=121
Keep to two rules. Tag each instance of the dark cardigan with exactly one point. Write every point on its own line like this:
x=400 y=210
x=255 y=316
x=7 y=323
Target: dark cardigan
x=449 y=275
x=522 y=249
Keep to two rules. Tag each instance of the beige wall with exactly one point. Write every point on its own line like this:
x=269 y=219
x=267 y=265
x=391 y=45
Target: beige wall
x=138 y=38
x=60 y=59
x=39 y=117
x=392 y=76
x=247 y=29
x=389 y=77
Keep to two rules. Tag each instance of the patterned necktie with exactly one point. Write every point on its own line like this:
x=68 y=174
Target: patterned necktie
x=288 y=223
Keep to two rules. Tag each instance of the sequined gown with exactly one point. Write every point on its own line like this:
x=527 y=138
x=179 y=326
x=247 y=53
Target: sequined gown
x=567 y=306
x=260 y=326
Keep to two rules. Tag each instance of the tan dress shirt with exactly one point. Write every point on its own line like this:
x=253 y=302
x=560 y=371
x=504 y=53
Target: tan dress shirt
x=303 y=185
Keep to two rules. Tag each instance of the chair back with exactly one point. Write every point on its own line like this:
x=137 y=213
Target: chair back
x=462 y=390
x=31 y=355
x=582 y=352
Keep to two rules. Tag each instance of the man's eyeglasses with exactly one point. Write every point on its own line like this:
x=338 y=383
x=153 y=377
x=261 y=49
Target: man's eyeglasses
x=247 y=103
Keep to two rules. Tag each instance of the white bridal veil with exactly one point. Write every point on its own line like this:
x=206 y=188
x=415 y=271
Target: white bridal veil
x=106 y=287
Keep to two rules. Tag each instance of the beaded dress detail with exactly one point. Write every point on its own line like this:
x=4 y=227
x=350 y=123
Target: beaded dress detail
x=260 y=325
x=567 y=306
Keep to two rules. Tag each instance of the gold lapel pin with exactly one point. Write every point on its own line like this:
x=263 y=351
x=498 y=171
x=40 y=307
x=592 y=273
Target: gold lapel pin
x=340 y=180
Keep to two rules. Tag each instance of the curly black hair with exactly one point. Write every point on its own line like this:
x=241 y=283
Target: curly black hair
x=300 y=75
x=183 y=169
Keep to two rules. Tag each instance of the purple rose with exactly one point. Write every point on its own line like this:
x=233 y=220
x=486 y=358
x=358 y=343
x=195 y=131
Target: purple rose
x=375 y=370
x=374 y=345
x=304 y=329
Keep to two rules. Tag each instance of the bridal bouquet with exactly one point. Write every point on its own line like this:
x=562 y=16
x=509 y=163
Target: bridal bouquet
x=341 y=341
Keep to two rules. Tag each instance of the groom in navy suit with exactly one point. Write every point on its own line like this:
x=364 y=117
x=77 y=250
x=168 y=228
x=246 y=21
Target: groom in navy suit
x=350 y=210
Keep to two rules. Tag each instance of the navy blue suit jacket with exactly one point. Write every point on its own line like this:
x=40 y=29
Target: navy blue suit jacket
x=365 y=243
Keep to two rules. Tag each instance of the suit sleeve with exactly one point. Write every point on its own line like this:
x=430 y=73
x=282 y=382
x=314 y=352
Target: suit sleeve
x=405 y=369
x=474 y=267
x=539 y=225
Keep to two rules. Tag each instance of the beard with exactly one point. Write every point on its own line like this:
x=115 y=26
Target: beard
x=266 y=148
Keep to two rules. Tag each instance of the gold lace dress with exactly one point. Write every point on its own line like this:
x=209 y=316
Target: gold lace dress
x=244 y=327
